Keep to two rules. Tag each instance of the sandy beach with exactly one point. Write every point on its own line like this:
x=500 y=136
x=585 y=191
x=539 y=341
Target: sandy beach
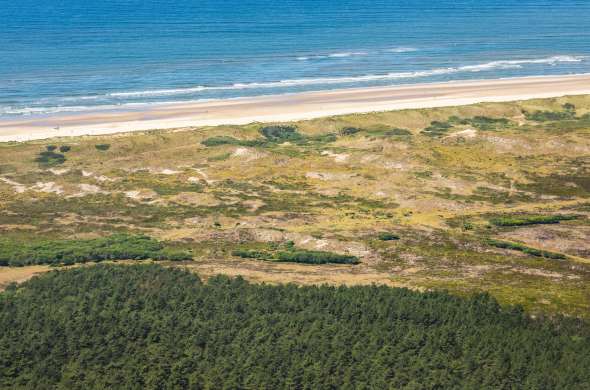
x=290 y=107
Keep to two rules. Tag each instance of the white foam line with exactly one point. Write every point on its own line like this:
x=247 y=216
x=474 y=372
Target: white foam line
x=501 y=64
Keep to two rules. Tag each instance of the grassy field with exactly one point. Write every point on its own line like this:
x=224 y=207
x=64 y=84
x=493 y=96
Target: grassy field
x=445 y=183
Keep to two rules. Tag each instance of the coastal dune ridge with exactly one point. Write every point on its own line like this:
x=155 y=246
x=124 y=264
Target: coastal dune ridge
x=289 y=107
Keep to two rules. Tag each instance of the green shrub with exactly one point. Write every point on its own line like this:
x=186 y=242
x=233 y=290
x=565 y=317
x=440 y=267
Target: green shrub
x=386 y=236
x=280 y=133
x=384 y=132
x=287 y=252
x=485 y=123
x=467 y=225
x=526 y=249
x=569 y=107
x=546 y=116
x=219 y=140
x=314 y=257
x=65 y=148
x=349 y=131
x=115 y=247
x=102 y=147
x=524 y=220
x=51 y=148
x=250 y=254
x=226 y=140
x=49 y=158
x=398 y=131
x=437 y=128
x=324 y=138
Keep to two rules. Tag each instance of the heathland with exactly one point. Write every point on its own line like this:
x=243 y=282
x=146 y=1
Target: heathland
x=490 y=197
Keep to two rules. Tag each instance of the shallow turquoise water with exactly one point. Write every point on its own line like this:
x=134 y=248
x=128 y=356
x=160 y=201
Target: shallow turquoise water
x=69 y=55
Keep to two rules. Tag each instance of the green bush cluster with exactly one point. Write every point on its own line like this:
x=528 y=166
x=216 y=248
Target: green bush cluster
x=315 y=257
x=397 y=131
x=151 y=327
x=388 y=132
x=289 y=253
x=546 y=116
x=226 y=140
x=250 y=254
x=102 y=147
x=437 y=128
x=322 y=138
x=484 y=123
x=49 y=158
x=386 y=236
x=114 y=247
x=280 y=133
x=524 y=220
x=349 y=131
x=273 y=135
x=526 y=249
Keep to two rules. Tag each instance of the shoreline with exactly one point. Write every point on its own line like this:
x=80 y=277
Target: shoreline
x=291 y=107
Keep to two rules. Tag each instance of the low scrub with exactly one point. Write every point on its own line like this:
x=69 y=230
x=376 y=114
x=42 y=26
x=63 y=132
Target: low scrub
x=483 y=123
x=315 y=257
x=66 y=252
x=50 y=158
x=437 y=128
x=546 y=116
x=349 y=131
x=280 y=133
x=102 y=147
x=389 y=132
x=226 y=140
x=272 y=135
x=290 y=254
x=525 y=220
x=526 y=249
x=386 y=236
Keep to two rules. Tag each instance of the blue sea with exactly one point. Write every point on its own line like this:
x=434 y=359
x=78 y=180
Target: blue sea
x=76 y=55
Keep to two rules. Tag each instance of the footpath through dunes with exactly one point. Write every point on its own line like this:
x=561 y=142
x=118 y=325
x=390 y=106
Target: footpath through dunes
x=489 y=197
x=150 y=327
x=289 y=107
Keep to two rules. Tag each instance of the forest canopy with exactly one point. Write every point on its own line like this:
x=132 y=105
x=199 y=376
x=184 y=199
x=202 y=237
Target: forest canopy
x=147 y=327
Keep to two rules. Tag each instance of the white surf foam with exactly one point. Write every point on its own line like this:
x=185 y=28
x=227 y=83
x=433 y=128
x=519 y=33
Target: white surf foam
x=402 y=49
x=344 y=54
x=347 y=54
x=501 y=64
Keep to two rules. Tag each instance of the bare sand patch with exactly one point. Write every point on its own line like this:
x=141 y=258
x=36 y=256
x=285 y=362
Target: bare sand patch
x=20 y=274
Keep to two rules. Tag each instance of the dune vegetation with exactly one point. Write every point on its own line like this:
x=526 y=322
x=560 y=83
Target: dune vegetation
x=488 y=198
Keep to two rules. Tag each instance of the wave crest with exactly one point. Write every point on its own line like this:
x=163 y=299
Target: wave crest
x=503 y=64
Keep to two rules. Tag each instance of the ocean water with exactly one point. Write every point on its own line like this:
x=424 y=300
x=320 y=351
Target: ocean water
x=74 y=55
